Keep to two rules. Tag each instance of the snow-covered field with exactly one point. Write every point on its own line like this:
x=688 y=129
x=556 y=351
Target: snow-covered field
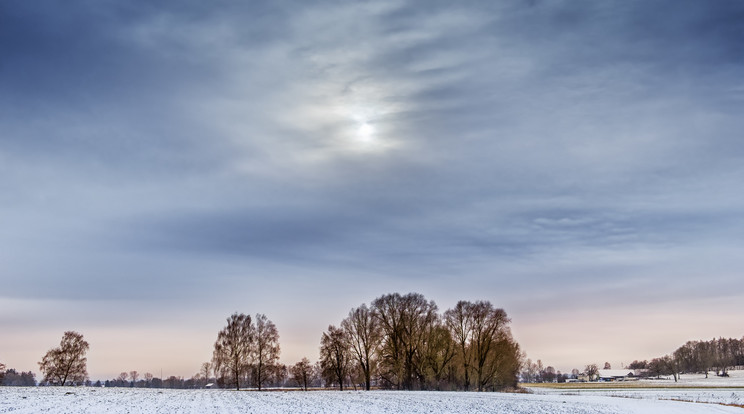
x=735 y=379
x=690 y=387
x=144 y=401
x=707 y=395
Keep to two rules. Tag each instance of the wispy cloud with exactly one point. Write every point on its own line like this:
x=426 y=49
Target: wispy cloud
x=563 y=149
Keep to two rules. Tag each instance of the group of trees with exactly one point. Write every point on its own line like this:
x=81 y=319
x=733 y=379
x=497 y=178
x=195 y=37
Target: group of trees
x=398 y=342
x=402 y=342
x=13 y=378
x=536 y=372
x=133 y=379
x=716 y=355
x=246 y=351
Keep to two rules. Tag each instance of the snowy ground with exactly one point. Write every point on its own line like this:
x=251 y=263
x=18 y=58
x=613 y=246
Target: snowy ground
x=690 y=387
x=735 y=379
x=706 y=395
x=123 y=400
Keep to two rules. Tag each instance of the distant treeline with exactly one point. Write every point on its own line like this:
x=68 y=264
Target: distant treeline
x=716 y=355
x=13 y=378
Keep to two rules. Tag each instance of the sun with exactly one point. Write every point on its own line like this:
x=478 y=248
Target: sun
x=365 y=132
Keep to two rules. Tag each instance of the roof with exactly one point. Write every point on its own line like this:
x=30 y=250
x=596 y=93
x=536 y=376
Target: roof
x=610 y=373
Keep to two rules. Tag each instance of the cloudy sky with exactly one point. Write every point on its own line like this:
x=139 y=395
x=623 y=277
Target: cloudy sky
x=162 y=166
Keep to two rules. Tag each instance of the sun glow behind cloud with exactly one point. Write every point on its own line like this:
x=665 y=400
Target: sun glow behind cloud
x=463 y=150
x=365 y=132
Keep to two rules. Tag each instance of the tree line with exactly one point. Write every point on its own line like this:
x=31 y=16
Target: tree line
x=694 y=357
x=11 y=377
x=716 y=355
x=397 y=342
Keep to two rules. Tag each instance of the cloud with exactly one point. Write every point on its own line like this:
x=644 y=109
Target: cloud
x=554 y=149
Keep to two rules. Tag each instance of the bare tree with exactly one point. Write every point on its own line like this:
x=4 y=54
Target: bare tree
x=591 y=371
x=2 y=373
x=266 y=351
x=233 y=348
x=206 y=369
x=134 y=376
x=607 y=365
x=460 y=323
x=363 y=333
x=404 y=320
x=302 y=373
x=334 y=355
x=67 y=363
x=148 y=379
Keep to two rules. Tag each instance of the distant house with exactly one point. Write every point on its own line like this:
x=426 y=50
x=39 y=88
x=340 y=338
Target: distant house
x=616 y=375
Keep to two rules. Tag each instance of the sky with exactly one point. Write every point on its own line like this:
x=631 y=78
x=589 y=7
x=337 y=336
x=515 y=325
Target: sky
x=166 y=164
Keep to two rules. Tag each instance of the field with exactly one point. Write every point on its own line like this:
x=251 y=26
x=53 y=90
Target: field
x=690 y=388
x=64 y=400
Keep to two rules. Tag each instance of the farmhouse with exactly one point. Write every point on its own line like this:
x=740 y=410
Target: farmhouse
x=616 y=375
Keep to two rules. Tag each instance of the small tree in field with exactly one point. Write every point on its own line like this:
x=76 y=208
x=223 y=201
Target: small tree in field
x=206 y=369
x=66 y=364
x=302 y=373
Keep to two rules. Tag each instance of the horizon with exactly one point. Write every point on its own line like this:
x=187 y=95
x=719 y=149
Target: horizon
x=578 y=164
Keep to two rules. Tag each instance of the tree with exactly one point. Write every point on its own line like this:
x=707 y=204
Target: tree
x=122 y=379
x=233 y=349
x=549 y=374
x=134 y=376
x=363 y=333
x=206 y=369
x=530 y=371
x=266 y=349
x=67 y=363
x=489 y=327
x=591 y=371
x=506 y=363
x=148 y=379
x=14 y=379
x=334 y=356
x=404 y=321
x=459 y=321
x=485 y=346
x=302 y=373
x=607 y=365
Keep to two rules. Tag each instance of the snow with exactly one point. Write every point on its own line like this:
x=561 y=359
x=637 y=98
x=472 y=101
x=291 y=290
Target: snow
x=65 y=400
x=690 y=387
x=706 y=395
x=735 y=379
